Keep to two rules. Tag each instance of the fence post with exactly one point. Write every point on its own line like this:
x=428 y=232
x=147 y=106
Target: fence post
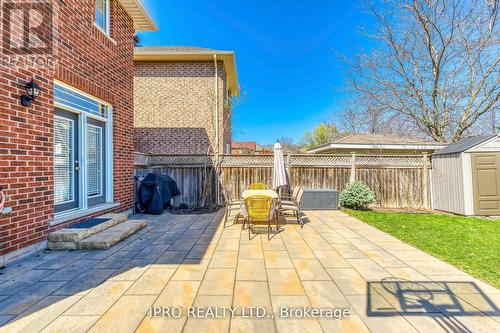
x=289 y=169
x=425 y=174
x=352 y=179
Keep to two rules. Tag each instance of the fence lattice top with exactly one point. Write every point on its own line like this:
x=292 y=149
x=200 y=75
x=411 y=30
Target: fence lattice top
x=296 y=160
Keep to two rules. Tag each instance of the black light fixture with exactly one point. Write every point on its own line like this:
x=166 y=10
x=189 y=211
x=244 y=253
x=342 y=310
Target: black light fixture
x=32 y=91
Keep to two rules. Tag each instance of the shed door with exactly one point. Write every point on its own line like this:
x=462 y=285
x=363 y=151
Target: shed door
x=486 y=180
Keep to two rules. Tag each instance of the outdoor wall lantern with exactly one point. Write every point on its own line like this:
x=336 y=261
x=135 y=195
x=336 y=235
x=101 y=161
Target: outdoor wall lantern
x=32 y=91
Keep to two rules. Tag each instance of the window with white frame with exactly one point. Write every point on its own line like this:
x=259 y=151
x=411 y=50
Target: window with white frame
x=82 y=150
x=102 y=14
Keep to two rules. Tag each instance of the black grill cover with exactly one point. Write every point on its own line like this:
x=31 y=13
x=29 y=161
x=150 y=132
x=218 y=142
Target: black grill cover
x=154 y=193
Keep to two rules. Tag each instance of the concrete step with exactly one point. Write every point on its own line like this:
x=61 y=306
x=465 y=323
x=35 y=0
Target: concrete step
x=67 y=238
x=109 y=237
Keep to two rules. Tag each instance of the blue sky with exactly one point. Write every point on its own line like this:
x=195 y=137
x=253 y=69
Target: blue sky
x=286 y=55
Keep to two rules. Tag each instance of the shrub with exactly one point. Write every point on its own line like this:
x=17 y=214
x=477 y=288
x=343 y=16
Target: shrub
x=357 y=195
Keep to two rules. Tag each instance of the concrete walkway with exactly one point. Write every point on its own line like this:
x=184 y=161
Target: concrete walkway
x=333 y=262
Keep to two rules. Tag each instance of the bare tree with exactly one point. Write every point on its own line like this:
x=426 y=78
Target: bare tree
x=487 y=124
x=436 y=64
x=364 y=116
x=493 y=4
x=288 y=145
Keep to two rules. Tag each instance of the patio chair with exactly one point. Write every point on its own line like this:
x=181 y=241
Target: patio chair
x=231 y=204
x=295 y=206
x=287 y=199
x=257 y=186
x=260 y=210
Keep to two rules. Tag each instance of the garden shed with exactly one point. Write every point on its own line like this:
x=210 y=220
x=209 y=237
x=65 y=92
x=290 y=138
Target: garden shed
x=466 y=176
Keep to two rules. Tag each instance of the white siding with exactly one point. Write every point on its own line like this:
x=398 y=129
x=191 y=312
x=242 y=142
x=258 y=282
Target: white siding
x=447 y=183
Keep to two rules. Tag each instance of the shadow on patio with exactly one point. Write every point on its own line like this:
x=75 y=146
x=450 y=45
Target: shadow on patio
x=442 y=301
x=37 y=290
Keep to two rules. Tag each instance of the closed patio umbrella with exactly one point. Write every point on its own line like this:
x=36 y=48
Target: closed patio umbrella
x=280 y=178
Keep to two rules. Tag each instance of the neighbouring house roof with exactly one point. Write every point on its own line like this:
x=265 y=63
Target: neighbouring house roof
x=251 y=145
x=376 y=141
x=140 y=16
x=464 y=144
x=190 y=53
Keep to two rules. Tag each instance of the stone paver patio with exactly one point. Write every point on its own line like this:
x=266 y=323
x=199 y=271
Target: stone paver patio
x=334 y=261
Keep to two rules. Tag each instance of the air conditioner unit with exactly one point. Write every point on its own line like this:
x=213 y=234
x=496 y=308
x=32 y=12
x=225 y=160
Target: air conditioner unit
x=320 y=199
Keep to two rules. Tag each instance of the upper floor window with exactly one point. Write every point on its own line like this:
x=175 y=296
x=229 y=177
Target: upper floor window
x=102 y=14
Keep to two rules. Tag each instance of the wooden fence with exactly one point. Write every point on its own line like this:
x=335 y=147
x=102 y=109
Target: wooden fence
x=398 y=181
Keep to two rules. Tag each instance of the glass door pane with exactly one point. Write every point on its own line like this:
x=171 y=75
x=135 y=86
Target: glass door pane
x=65 y=161
x=95 y=162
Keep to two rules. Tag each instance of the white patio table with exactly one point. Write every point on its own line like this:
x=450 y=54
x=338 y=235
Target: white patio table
x=267 y=193
x=248 y=193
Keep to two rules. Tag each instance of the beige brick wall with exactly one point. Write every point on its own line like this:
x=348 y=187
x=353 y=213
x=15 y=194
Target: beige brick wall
x=174 y=108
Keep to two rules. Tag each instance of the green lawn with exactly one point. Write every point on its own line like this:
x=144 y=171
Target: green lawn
x=471 y=244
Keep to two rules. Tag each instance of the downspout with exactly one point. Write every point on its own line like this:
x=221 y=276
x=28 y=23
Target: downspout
x=216 y=129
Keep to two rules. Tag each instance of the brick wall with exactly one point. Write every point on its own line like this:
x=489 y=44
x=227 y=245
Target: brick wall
x=174 y=108
x=90 y=61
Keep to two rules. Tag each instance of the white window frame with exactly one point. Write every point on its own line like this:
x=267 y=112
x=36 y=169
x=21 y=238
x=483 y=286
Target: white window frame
x=107 y=18
x=108 y=155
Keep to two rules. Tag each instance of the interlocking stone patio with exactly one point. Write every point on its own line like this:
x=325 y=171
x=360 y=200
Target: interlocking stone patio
x=333 y=261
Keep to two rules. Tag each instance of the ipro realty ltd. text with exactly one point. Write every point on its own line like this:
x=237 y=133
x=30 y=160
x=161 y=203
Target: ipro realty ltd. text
x=248 y=312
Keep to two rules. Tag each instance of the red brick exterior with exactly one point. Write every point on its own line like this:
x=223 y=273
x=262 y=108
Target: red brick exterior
x=90 y=61
x=174 y=107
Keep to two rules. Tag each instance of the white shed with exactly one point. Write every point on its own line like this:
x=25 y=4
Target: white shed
x=466 y=176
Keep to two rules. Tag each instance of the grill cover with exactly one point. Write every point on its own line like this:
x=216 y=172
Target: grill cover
x=154 y=193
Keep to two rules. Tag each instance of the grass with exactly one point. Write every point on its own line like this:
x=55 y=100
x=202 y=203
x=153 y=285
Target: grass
x=471 y=244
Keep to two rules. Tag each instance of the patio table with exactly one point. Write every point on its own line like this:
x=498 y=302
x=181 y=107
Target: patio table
x=248 y=193
x=267 y=193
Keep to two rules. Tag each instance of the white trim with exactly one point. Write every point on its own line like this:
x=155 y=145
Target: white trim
x=375 y=146
x=431 y=191
x=140 y=16
x=468 y=184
